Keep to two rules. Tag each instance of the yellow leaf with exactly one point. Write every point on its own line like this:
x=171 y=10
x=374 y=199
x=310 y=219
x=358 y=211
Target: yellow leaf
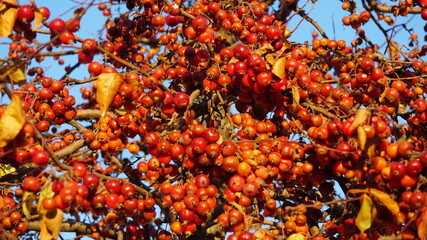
x=45 y=192
x=357 y=191
x=50 y=224
x=297 y=236
x=385 y=199
x=295 y=95
x=11 y=121
x=360 y=118
x=380 y=196
x=106 y=88
x=370 y=146
x=366 y=214
x=17 y=76
x=264 y=49
x=38 y=19
x=27 y=206
x=279 y=67
x=361 y=136
x=270 y=59
x=6 y=169
x=422 y=226
x=7 y=18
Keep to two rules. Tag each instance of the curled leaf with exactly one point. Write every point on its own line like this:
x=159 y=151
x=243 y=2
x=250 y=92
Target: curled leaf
x=11 y=121
x=361 y=136
x=16 y=76
x=379 y=196
x=385 y=199
x=295 y=95
x=6 y=169
x=8 y=17
x=106 y=88
x=366 y=214
x=28 y=199
x=360 y=118
x=50 y=224
x=279 y=67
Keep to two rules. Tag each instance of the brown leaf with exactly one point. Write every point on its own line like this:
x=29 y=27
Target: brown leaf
x=360 y=118
x=50 y=224
x=279 y=67
x=106 y=88
x=422 y=226
x=11 y=121
x=366 y=214
x=7 y=18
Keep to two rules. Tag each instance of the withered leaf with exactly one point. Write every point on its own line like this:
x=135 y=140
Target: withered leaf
x=366 y=214
x=106 y=88
x=11 y=121
x=8 y=17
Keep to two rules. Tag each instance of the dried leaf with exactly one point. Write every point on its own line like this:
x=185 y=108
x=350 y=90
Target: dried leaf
x=295 y=95
x=17 y=76
x=7 y=18
x=11 y=121
x=393 y=49
x=153 y=51
x=366 y=214
x=78 y=12
x=271 y=60
x=385 y=199
x=361 y=136
x=27 y=206
x=360 y=118
x=380 y=196
x=106 y=88
x=357 y=191
x=38 y=19
x=279 y=67
x=6 y=169
x=370 y=146
x=422 y=226
x=45 y=192
x=264 y=49
x=297 y=236
x=50 y=224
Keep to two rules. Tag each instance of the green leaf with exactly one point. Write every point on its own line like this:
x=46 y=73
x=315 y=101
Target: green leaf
x=366 y=214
